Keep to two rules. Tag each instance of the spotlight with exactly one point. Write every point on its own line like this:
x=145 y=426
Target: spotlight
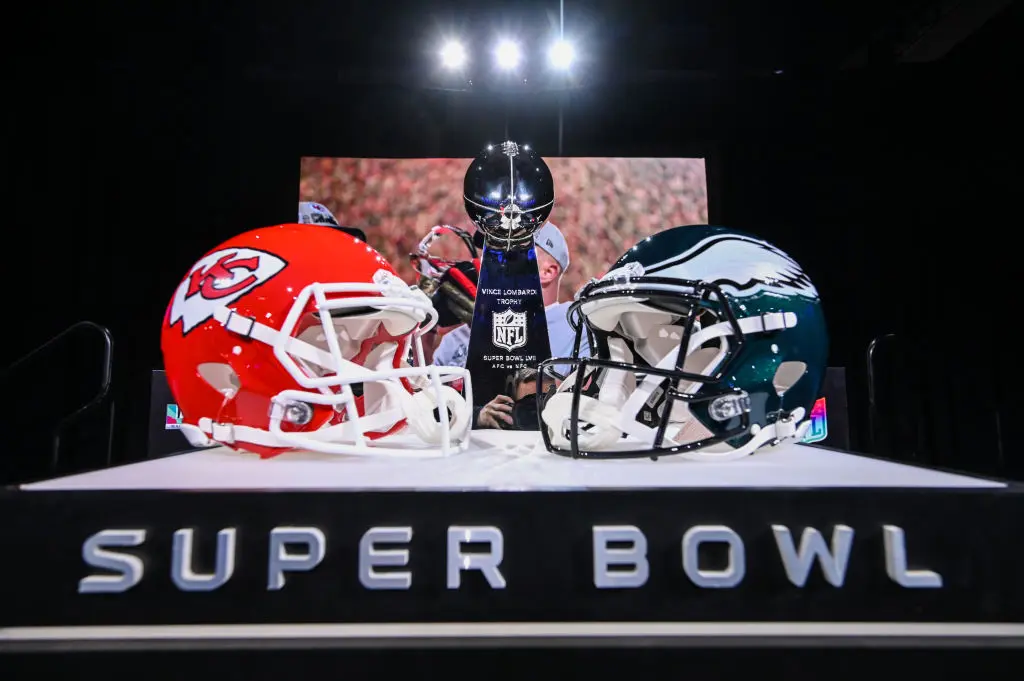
x=561 y=55
x=453 y=55
x=507 y=54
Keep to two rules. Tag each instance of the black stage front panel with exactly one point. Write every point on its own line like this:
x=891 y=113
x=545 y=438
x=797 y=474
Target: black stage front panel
x=87 y=559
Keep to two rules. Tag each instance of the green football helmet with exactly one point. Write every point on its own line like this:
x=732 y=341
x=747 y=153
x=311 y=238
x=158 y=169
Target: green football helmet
x=706 y=342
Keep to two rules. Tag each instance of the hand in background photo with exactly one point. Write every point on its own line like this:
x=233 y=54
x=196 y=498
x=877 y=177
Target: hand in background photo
x=518 y=412
x=496 y=414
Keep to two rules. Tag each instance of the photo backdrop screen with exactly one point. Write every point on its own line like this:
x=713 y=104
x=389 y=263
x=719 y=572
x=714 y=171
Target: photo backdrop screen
x=602 y=205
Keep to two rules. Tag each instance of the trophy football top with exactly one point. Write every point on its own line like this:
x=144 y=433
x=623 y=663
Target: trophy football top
x=508 y=194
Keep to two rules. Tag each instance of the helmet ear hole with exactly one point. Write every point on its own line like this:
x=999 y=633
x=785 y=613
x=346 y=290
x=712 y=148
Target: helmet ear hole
x=787 y=375
x=221 y=377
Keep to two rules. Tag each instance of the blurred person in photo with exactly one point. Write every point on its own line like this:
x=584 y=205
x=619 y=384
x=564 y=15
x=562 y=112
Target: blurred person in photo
x=518 y=412
x=313 y=213
x=446 y=262
x=552 y=262
x=602 y=203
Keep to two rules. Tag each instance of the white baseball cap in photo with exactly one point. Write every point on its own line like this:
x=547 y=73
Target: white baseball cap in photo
x=550 y=238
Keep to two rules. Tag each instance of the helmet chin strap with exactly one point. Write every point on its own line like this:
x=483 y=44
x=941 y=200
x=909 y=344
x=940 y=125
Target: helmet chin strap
x=417 y=409
x=602 y=413
x=613 y=413
x=386 y=403
x=619 y=400
x=419 y=413
x=330 y=440
x=349 y=437
x=791 y=426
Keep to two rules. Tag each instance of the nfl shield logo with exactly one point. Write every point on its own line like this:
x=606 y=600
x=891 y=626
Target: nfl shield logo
x=508 y=330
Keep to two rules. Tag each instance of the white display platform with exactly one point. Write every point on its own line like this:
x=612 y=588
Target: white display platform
x=499 y=460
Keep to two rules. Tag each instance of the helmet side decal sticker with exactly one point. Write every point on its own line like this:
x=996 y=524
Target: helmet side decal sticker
x=747 y=265
x=219 y=279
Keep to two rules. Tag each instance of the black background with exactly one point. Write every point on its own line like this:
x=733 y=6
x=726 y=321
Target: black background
x=137 y=137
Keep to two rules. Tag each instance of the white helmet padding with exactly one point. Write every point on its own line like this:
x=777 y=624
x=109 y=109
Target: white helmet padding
x=610 y=421
x=319 y=358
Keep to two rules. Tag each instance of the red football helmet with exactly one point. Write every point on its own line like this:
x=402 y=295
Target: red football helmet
x=303 y=337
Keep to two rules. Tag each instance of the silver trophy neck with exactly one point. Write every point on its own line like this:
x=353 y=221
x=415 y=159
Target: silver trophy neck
x=507 y=243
